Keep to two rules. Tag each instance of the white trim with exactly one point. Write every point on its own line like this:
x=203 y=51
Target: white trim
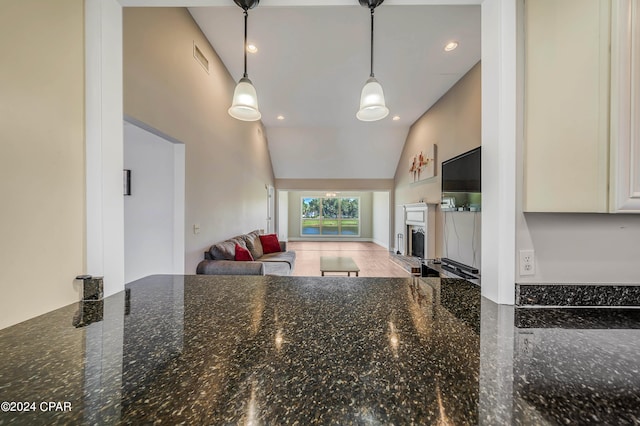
x=338 y=237
x=271 y=207
x=499 y=106
x=104 y=143
x=334 y=238
x=625 y=107
x=416 y=214
x=93 y=138
x=179 y=225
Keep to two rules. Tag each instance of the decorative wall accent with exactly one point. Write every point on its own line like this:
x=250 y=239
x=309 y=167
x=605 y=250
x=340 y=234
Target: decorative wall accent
x=423 y=165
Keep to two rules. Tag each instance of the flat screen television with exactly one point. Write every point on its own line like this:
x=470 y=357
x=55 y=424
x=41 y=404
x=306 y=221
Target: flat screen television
x=462 y=173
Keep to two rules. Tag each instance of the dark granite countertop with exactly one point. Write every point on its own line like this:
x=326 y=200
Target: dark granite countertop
x=319 y=350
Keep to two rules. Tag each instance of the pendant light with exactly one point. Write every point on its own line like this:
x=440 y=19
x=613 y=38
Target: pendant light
x=245 y=100
x=372 y=105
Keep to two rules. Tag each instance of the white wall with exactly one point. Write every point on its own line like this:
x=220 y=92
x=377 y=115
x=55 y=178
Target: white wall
x=149 y=212
x=283 y=215
x=581 y=248
x=381 y=217
x=462 y=237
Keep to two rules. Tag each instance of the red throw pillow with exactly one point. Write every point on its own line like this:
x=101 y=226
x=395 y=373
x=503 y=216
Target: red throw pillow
x=270 y=243
x=242 y=253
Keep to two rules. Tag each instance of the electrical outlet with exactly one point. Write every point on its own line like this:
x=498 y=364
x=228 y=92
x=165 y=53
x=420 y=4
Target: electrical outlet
x=527 y=262
x=527 y=342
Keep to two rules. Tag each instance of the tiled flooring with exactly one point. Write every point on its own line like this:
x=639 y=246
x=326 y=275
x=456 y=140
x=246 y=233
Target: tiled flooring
x=372 y=259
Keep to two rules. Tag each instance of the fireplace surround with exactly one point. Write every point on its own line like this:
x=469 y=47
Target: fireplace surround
x=419 y=227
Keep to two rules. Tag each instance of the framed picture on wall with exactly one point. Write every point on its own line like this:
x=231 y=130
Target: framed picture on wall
x=423 y=164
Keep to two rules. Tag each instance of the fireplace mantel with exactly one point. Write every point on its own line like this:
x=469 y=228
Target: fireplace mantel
x=416 y=214
x=422 y=216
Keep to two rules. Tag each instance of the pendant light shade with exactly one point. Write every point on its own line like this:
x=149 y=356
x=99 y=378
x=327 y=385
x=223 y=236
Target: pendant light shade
x=244 y=105
x=372 y=104
x=245 y=102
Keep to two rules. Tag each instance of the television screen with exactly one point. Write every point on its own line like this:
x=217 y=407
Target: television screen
x=462 y=173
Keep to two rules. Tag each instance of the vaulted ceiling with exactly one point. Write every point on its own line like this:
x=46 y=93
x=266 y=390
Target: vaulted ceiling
x=312 y=63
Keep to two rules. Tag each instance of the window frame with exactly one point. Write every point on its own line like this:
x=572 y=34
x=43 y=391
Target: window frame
x=339 y=217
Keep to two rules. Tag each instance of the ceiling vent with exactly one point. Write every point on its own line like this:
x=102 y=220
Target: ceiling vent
x=199 y=56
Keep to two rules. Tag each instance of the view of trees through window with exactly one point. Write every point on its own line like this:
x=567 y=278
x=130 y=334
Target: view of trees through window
x=330 y=216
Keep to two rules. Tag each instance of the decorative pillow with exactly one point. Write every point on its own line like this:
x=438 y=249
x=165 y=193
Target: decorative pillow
x=270 y=243
x=225 y=250
x=242 y=253
x=253 y=244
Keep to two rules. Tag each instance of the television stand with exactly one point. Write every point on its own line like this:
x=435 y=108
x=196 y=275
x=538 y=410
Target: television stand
x=459 y=266
x=455 y=269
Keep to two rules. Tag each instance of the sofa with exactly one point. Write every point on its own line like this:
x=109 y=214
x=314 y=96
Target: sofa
x=248 y=254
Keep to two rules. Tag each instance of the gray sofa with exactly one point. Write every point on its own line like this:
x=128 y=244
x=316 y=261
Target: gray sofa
x=220 y=258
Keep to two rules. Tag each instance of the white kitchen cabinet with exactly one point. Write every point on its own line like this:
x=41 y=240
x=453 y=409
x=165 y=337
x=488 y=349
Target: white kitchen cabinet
x=625 y=108
x=566 y=113
x=582 y=106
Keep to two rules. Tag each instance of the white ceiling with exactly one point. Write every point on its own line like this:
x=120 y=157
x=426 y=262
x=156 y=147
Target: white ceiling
x=311 y=65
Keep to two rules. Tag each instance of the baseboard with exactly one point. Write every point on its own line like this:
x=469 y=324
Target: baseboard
x=381 y=244
x=335 y=239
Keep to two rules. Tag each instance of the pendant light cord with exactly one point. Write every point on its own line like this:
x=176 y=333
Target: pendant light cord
x=246 y=15
x=371 y=75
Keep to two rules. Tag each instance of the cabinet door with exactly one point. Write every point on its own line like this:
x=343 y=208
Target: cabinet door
x=566 y=162
x=625 y=107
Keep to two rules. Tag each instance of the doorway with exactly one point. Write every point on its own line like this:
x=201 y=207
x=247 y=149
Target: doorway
x=154 y=210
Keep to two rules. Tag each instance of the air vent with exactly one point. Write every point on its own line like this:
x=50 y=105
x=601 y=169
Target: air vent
x=199 y=56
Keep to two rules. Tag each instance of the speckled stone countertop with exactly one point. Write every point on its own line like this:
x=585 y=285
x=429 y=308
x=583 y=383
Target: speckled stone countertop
x=319 y=350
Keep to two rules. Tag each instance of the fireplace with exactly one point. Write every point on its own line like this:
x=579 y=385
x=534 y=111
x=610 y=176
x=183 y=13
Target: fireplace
x=419 y=230
x=417 y=242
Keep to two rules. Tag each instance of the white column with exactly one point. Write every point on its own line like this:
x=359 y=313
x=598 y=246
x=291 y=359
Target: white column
x=499 y=106
x=179 y=208
x=104 y=143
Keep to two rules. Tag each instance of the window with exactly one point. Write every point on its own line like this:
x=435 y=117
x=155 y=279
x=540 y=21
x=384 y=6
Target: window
x=330 y=216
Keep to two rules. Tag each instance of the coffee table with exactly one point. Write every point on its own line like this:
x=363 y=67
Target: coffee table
x=338 y=264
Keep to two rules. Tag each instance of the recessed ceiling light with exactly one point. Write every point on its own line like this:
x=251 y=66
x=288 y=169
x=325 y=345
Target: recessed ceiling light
x=396 y=117
x=251 y=48
x=280 y=117
x=451 y=46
